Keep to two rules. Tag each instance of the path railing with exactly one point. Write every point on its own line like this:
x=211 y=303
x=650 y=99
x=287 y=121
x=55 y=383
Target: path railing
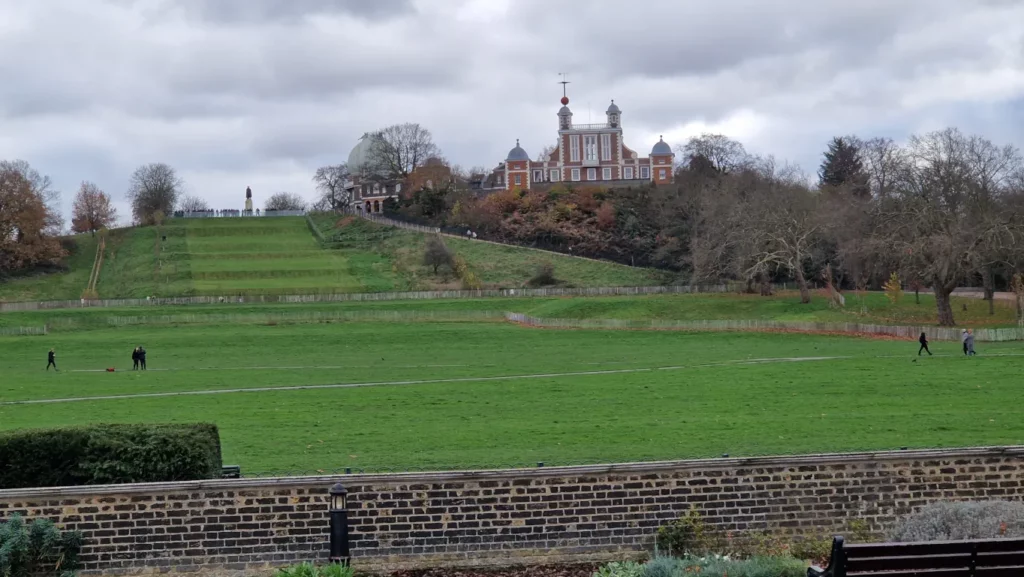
x=904 y=332
x=22 y=331
x=379 y=296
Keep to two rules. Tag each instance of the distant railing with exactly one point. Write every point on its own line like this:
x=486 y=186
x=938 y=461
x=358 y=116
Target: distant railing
x=906 y=332
x=378 y=296
x=22 y=331
x=594 y=126
x=231 y=213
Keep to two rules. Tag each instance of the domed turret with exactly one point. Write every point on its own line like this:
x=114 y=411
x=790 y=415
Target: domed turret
x=614 y=115
x=661 y=148
x=517 y=153
x=564 y=118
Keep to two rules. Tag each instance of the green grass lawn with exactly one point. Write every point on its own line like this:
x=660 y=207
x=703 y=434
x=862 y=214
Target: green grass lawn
x=507 y=395
x=784 y=306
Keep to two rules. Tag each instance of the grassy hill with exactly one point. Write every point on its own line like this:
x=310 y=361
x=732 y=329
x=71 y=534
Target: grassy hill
x=282 y=256
x=56 y=286
x=400 y=251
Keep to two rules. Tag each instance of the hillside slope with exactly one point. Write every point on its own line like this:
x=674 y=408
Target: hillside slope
x=494 y=265
x=225 y=256
x=65 y=285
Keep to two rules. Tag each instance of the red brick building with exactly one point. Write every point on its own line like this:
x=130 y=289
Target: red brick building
x=586 y=153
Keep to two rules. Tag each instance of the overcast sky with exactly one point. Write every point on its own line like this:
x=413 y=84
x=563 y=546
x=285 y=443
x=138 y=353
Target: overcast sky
x=260 y=92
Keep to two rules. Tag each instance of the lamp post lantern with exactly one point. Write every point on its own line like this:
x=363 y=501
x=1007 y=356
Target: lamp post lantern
x=339 y=524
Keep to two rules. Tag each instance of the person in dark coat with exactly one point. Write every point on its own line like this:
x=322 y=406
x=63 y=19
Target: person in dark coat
x=51 y=359
x=135 y=359
x=924 y=345
x=142 y=358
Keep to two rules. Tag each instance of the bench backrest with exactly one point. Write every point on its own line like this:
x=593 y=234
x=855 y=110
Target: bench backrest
x=980 y=558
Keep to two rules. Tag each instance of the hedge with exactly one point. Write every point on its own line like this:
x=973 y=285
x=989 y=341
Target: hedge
x=109 y=454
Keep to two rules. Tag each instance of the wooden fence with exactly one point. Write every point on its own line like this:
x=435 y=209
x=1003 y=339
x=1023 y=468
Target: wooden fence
x=308 y=317
x=23 y=331
x=907 y=332
x=380 y=296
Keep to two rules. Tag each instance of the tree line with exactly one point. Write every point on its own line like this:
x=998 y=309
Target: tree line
x=941 y=210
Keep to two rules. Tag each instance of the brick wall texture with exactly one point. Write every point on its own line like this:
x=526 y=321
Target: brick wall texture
x=502 y=517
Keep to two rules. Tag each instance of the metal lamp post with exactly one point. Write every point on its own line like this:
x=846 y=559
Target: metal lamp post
x=339 y=524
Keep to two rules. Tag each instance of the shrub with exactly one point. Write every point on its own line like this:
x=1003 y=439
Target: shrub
x=754 y=567
x=437 y=254
x=954 y=521
x=310 y=570
x=105 y=454
x=687 y=534
x=545 y=276
x=624 y=569
x=663 y=567
x=37 y=548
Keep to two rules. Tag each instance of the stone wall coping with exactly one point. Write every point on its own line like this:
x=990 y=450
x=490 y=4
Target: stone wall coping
x=538 y=472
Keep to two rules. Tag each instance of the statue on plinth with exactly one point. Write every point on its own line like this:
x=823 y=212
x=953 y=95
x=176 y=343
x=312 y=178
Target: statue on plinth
x=248 y=200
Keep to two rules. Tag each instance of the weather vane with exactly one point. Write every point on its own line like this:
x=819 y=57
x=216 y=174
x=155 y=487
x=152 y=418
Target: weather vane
x=565 y=96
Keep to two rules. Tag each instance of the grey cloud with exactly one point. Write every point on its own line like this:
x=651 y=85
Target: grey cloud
x=228 y=90
x=261 y=11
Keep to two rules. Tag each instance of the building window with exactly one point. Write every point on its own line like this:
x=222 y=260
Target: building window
x=554 y=176
x=519 y=179
x=576 y=174
x=645 y=172
x=606 y=147
x=591 y=174
x=376 y=188
x=538 y=175
x=628 y=173
x=607 y=174
x=590 y=147
x=574 y=148
x=661 y=174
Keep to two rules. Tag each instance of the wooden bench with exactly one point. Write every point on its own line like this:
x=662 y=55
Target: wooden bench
x=981 y=558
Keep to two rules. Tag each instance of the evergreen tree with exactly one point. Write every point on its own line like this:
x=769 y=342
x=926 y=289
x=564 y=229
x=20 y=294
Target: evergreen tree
x=843 y=167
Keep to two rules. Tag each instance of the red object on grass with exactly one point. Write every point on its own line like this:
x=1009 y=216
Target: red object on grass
x=110 y=370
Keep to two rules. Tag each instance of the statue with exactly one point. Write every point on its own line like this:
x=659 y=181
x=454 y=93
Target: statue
x=248 y=200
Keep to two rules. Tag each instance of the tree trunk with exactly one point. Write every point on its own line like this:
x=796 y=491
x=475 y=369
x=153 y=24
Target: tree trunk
x=943 y=306
x=989 y=282
x=805 y=293
x=917 y=295
x=766 y=286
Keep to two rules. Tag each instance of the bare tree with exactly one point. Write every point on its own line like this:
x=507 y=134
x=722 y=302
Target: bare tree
x=723 y=153
x=285 y=201
x=943 y=219
x=437 y=254
x=545 y=153
x=331 y=181
x=397 y=150
x=783 y=226
x=153 y=188
x=92 y=209
x=884 y=162
x=193 y=204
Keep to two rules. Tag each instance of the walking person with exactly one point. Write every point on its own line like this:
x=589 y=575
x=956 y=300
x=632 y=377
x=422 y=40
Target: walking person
x=963 y=339
x=970 y=343
x=51 y=359
x=924 y=345
x=135 y=359
x=142 y=358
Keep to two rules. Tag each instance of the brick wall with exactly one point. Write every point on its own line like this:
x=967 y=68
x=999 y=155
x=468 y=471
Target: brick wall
x=498 y=517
